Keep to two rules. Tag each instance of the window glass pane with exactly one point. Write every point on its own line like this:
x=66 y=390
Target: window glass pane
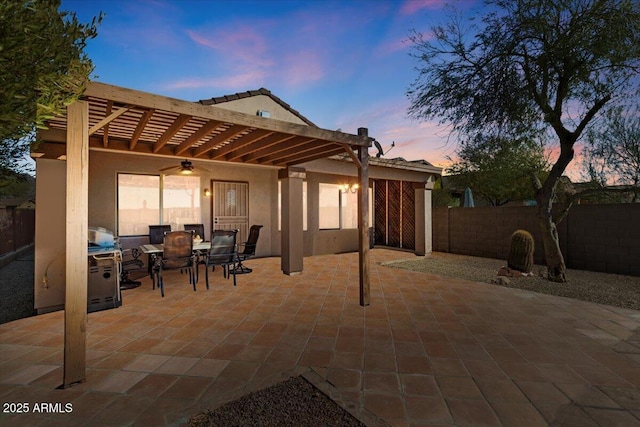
x=138 y=203
x=304 y=205
x=329 y=203
x=181 y=201
x=349 y=209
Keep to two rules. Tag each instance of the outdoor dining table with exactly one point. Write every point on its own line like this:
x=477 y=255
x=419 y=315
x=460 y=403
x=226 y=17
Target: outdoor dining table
x=155 y=250
x=158 y=248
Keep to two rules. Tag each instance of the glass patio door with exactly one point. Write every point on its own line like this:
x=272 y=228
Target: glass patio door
x=230 y=207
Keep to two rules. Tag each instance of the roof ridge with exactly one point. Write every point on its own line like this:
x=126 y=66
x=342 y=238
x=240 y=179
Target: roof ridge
x=250 y=93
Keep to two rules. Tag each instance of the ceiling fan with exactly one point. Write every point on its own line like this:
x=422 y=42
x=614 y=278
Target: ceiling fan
x=186 y=168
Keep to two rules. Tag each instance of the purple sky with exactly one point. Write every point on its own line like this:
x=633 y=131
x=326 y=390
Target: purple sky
x=342 y=64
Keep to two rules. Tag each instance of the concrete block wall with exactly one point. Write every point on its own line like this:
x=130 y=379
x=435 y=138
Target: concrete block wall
x=602 y=238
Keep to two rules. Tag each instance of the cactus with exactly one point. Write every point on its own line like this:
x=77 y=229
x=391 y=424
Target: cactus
x=521 y=251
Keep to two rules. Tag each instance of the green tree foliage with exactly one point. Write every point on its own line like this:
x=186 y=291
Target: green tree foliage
x=441 y=198
x=43 y=68
x=612 y=152
x=527 y=69
x=497 y=170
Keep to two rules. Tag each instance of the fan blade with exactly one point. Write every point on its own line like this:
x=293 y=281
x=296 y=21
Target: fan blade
x=169 y=168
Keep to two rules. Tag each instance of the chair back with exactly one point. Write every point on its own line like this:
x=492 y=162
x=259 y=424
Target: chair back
x=252 y=241
x=198 y=229
x=223 y=246
x=156 y=233
x=178 y=244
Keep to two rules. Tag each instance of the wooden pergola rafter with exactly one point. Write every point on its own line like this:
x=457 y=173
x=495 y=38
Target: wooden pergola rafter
x=124 y=120
x=117 y=119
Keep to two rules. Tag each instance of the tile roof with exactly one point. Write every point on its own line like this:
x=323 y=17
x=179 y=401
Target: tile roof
x=396 y=163
x=250 y=93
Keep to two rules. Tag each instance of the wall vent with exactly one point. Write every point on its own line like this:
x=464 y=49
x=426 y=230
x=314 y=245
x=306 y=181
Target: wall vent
x=264 y=113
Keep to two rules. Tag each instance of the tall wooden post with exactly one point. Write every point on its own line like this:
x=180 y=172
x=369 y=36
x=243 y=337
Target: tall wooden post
x=75 y=306
x=363 y=220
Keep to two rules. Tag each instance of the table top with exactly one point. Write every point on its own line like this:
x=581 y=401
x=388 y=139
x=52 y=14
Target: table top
x=158 y=248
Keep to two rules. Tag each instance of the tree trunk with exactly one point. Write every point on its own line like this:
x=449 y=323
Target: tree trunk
x=556 y=268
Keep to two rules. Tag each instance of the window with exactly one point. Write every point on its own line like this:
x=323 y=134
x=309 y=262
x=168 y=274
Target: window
x=340 y=210
x=181 y=201
x=329 y=203
x=304 y=205
x=145 y=200
x=349 y=209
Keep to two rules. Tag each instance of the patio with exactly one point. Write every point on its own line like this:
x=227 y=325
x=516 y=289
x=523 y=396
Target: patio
x=428 y=350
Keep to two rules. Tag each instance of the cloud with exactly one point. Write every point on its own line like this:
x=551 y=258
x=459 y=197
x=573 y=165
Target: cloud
x=303 y=68
x=412 y=6
x=393 y=46
x=413 y=140
x=252 y=79
x=244 y=46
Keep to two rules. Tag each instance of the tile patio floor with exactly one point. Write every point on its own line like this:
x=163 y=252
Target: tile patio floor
x=428 y=350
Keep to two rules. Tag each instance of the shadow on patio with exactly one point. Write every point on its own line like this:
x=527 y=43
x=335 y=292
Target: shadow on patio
x=428 y=350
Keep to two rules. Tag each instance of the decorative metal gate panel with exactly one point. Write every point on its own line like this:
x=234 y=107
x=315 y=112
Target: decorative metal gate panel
x=394 y=218
x=230 y=207
x=394 y=214
x=408 y=229
x=380 y=211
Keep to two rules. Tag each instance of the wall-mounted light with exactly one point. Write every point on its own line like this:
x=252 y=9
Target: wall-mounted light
x=345 y=188
x=207 y=192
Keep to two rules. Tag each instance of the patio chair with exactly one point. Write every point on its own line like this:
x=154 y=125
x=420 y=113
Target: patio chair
x=177 y=254
x=223 y=252
x=248 y=249
x=156 y=233
x=156 y=237
x=198 y=229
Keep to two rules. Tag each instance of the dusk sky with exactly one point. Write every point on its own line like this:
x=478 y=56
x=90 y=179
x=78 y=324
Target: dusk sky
x=342 y=64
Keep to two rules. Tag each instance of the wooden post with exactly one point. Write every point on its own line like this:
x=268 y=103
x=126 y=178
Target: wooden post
x=363 y=220
x=75 y=311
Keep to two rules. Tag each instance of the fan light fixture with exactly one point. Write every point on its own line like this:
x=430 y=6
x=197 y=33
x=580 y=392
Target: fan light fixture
x=186 y=168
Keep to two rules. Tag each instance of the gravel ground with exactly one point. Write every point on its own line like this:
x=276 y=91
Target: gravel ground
x=610 y=289
x=16 y=289
x=294 y=402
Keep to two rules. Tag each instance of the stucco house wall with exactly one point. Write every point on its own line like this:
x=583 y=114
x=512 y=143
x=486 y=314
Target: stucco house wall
x=262 y=181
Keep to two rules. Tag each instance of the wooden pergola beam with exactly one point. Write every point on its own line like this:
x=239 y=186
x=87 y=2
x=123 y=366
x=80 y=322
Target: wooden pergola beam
x=352 y=154
x=110 y=117
x=239 y=143
x=232 y=131
x=144 y=120
x=244 y=153
x=204 y=130
x=303 y=154
x=171 y=131
x=292 y=147
x=105 y=133
x=272 y=145
x=211 y=112
x=310 y=157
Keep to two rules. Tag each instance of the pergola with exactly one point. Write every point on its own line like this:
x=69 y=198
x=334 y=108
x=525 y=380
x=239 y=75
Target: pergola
x=117 y=119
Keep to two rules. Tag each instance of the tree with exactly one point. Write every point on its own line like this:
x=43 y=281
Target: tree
x=612 y=152
x=531 y=70
x=43 y=68
x=497 y=169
